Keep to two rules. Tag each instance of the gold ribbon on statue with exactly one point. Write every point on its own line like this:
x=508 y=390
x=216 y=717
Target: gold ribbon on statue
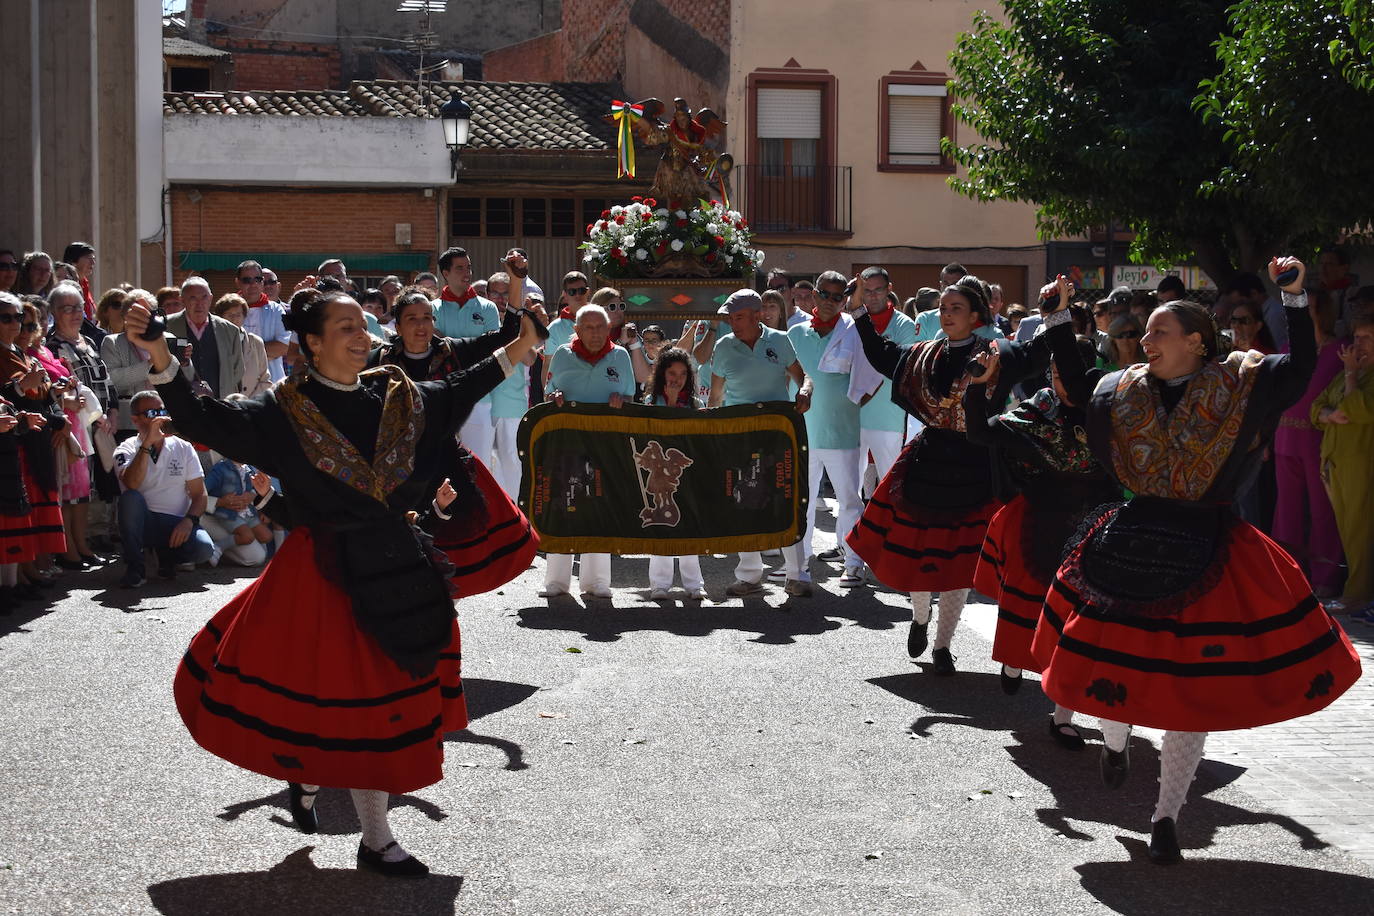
x=625 y=114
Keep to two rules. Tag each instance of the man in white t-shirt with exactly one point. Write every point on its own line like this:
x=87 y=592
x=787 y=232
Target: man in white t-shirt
x=162 y=495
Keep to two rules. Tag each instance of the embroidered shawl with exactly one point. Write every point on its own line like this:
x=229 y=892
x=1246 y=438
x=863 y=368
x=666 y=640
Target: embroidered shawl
x=917 y=382
x=1179 y=454
x=1060 y=441
x=403 y=421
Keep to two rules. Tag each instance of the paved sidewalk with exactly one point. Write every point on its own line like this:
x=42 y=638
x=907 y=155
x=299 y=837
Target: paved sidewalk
x=1317 y=770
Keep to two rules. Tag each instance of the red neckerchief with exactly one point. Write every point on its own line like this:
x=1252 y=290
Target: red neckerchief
x=567 y=312
x=86 y=295
x=581 y=350
x=260 y=303
x=447 y=295
x=882 y=319
x=819 y=325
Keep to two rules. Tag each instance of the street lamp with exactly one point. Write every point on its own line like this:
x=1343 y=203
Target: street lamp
x=456 y=117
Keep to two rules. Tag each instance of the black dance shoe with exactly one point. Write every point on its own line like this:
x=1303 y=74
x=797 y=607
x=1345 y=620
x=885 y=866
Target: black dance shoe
x=371 y=859
x=307 y=821
x=917 y=639
x=1066 y=735
x=943 y=662
x=1010 y=685
x=1115 y=765
x=1164 y=843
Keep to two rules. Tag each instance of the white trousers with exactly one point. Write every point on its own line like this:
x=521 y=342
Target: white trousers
x=841 y=465
x=478 y=435
x=750 y=565
x=661 y=572
x=885 y=446
x=594 y=572
x=505 y=466
x=250 y=554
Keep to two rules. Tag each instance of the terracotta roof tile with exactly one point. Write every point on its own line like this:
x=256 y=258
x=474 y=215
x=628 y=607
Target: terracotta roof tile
x=515 y=116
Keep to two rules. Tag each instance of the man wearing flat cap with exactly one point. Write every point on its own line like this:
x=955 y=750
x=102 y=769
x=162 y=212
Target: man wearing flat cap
x=754 y=363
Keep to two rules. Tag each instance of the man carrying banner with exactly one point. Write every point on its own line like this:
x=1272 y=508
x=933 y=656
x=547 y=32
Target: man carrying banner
x=593 y=370
x=752 y=364
x=826 y=346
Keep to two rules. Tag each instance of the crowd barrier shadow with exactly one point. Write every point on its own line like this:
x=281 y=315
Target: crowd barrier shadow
x=297 y=886
x=975 y=700
x=1205 y=887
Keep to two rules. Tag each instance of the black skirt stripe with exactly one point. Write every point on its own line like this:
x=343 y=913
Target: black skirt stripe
x=451 y=693
x=451 y=656
x=1052 y=618
x=928 y=553
x=1016 y=619
x=199 y=674
x=1185 y=630
x=989 y=558
x=1169 y=666
x=507 y=550
x=398 y=742
x=902 y=520
x=479 y=539
x=1023 y=595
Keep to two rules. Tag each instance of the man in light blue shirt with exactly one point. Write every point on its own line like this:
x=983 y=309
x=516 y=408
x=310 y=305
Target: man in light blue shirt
x=753 y=363
x=265 y=317
x=459 y=312
x=832 y=422
x=881 y=422
x=592 y=370
x=577 y=292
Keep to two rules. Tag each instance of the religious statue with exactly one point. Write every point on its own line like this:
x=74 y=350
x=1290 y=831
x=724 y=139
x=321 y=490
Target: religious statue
x=692 y=168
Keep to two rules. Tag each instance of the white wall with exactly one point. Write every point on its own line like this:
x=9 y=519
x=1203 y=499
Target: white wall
x=280 y=149
x=148 y=117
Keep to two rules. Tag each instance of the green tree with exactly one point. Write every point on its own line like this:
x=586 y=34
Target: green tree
x=1098 y=110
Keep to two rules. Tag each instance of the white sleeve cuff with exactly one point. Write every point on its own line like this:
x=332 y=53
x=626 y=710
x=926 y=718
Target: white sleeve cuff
x=1055 y=319
x=440 y=513
x=504 y=362
x=1294 y=300
x=166 y=375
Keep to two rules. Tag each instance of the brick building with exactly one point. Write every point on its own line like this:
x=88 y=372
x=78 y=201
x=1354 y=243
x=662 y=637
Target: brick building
x=292 y=178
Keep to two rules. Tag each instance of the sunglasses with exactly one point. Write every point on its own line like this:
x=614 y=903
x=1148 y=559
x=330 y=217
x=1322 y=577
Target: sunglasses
x=9 y=265
x=254 y=279
x=1242 y=320
x=615 y=306
x=151 y=413
x=1129 y=335
x=833 y=297
x=576 y=290
x=11 y=318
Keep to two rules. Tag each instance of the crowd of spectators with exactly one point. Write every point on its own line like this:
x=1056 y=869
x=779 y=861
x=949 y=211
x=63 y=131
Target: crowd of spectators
x=93 y=475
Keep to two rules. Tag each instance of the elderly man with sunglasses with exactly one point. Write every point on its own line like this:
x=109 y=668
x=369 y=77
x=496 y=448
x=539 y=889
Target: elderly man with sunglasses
x=163 y=495
x=266 y=315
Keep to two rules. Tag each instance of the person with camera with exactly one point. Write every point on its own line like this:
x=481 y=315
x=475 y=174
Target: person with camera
x=215 y=345
x=163 y=495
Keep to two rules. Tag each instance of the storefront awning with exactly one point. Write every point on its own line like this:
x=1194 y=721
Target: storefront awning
x=295 y=261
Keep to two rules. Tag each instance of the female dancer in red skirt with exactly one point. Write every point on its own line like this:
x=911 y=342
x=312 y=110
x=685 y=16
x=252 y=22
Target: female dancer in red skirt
x=340 y=664
x=922 y=530
x=490 y=542
x=1043 y=450
x=1170 y=611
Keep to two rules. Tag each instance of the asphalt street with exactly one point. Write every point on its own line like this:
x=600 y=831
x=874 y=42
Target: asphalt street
x=625 y=757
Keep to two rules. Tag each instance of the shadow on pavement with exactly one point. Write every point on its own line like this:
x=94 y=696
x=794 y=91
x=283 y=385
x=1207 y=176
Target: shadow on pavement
x=975 y=700
x=298 y=886
x=1209 y=886
x=335 y=807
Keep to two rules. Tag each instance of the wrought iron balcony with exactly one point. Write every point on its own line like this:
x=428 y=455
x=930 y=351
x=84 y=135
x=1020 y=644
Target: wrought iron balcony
x=796 y=198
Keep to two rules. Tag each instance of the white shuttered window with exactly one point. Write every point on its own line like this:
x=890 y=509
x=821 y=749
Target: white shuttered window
x=789 y=114
x=915 y=123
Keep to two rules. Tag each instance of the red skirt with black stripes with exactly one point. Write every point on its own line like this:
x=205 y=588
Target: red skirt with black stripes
x=1256 y=648
x=282 y=682
x=1003 y=575
x=497 y=551
x=911 y=550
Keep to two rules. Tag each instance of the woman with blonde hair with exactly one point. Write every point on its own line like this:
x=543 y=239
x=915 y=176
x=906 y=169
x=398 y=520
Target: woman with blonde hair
x=234 y=308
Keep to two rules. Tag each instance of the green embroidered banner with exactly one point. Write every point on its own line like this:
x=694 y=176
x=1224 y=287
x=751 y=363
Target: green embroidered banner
x=665 y=481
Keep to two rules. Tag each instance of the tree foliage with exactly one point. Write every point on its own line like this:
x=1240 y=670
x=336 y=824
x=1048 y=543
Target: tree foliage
x=1150 y=114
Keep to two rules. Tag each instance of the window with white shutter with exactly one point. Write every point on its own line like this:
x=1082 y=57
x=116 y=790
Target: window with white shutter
x=916 y=116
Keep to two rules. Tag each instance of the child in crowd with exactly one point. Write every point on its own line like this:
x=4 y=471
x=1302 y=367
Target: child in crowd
x=229 y=478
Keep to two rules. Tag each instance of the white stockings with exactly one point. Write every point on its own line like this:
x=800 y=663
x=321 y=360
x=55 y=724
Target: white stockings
x=1179 y=755
x=371 y=805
